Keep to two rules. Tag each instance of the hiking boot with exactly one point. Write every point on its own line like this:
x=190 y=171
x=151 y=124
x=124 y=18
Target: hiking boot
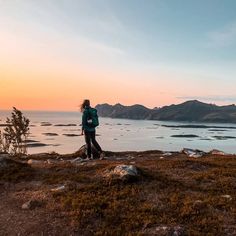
x=102 y=156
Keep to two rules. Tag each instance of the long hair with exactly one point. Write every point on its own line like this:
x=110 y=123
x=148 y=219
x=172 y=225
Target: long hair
x=86 y=103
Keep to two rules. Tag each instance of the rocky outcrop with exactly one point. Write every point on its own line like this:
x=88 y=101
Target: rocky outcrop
x=82 y=152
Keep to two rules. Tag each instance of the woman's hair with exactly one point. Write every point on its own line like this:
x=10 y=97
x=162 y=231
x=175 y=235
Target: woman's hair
x=86 y=103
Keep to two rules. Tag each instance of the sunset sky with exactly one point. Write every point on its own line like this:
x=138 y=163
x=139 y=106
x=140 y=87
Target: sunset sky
x=55 y=53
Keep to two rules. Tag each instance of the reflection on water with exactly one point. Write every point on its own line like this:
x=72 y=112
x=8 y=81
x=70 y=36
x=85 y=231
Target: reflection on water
x=125 y=135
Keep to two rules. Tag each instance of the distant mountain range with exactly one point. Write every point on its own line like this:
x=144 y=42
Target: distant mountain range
x=193 y=111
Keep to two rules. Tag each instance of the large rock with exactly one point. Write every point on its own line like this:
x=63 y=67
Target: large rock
x=82 y=152
x=31 y=204
x=123 y=172
x=193 y=152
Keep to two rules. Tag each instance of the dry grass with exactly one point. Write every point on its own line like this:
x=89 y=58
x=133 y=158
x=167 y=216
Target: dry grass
x=175 y=191
x=15 y=172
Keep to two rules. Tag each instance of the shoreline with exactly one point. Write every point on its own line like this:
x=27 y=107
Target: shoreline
x=59 y=133
x=81 y=153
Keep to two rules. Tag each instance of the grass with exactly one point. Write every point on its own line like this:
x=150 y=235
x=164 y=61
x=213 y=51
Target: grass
x=15 y=172
x=171 y=192
x=192 y=199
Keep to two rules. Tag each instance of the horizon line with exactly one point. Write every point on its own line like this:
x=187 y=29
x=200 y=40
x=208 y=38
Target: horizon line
x=47 y=110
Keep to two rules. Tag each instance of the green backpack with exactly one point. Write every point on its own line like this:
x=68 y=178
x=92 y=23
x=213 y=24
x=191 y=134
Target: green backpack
x=92 y=118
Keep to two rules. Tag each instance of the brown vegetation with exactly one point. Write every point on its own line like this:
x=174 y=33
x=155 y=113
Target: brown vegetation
x=195 y=195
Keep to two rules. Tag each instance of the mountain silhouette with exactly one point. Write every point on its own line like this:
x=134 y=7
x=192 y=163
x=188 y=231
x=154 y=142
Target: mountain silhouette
x=192 y=111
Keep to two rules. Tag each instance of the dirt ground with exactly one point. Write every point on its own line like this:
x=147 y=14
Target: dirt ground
x=173 y=195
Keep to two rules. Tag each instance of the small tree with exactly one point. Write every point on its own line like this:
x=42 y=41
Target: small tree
x=13 y=139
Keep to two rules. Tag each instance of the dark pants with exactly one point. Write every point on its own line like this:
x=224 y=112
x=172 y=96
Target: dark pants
x=90 y=137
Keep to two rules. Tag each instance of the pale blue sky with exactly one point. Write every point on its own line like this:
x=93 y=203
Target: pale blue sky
x=188 y=43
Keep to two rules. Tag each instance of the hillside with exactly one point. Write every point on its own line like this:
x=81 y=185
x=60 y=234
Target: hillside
x=193 y=111
x=171 y=195
x=137 y=112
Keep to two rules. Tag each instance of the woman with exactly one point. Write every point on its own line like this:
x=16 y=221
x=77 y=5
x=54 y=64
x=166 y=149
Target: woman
x=89 y=122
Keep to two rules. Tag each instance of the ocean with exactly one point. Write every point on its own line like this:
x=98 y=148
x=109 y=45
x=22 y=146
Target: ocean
x=60 y=132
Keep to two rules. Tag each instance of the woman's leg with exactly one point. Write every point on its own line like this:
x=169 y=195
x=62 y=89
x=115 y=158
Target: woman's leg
x=94 y=142
x=87 y=137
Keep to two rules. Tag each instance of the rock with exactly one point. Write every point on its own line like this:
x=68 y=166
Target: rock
x=31 y=141
x=163 y=230
x=50 y=161
x=193 y=152
x=177 y=231
x=71 y=135
x=76 y=160
x=218 y=152
x=59 y=188
x=31 y=162
x=82 y=152
x=31 y=145
x=92 y=163
x=224 y=137
x=46 y=124
x=62 y=125
x=31 y=204
x=199 y=205
x=228 y=197
x=167 y=154
x=50 y=134
x=184 y=136
x=124 y=171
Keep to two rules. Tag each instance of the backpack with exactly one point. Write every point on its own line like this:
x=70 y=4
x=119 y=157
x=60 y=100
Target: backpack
x=92 y=118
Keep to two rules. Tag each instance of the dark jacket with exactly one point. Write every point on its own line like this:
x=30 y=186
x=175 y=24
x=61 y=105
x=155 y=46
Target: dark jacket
x=85 y=118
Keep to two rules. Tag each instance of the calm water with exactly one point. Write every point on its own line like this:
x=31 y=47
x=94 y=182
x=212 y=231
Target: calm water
x=122 y=134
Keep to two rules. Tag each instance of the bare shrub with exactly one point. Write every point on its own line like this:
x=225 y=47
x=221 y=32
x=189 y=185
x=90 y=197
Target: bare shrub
x=14 y=135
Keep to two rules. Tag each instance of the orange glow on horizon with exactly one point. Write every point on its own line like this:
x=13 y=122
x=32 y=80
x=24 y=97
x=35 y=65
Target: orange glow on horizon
x=41 y=90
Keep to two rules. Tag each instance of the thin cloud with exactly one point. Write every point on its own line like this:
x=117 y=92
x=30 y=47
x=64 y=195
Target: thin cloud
x=104 y=48
x=110 y=23
x=215 y=98
x=223 y=37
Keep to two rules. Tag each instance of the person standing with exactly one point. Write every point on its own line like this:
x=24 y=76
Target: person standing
x=89 y=124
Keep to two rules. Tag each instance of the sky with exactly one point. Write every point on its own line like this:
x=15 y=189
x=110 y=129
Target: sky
x=55 y=53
